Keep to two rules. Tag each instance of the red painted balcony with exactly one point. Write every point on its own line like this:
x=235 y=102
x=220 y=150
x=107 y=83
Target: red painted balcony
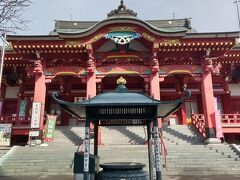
x=23 y=121
x=230 y=123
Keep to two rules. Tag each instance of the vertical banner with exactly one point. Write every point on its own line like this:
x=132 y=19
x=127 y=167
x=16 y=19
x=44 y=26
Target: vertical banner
x=49 y=131
x=1 y=106
x=5 y=134
x=219 y=132
x=36 y=115
x=86 y=150
x=22 y=108
x=157 y=150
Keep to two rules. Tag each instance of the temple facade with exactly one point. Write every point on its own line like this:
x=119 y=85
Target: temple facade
x=160 y=58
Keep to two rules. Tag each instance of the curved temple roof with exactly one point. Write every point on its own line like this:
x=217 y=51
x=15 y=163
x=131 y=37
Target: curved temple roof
x=124 y=15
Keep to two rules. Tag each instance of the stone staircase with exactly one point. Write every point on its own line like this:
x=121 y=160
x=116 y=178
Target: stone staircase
x=117 y=135
x=187 y=155
x=4 y=150
x=55 y=159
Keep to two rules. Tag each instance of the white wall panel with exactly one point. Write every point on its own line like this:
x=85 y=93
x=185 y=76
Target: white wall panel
x=235 y=89
x=12 y=91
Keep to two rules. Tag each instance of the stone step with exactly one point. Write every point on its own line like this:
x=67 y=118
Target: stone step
x=186 y=152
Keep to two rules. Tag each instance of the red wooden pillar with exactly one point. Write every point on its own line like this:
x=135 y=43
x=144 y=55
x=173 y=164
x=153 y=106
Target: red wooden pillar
x=208 y=100
x=40 y=88
x=91 y=85
x=155 y=82
x=91 y=76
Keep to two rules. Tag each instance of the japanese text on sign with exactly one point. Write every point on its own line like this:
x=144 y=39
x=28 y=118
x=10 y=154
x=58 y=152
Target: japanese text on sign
x=36 y=115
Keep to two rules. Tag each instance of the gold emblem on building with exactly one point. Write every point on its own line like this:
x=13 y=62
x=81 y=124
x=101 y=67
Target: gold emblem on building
x=121 y=81
x=123 y=29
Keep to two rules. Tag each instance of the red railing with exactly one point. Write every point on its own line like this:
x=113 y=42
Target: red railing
x=163 y=149
x=227 y=120
x=16 y=121
x=230 y=120
x=198 y=122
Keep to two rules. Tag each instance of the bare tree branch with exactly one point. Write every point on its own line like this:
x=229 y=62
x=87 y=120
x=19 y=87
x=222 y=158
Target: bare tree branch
x=11 y=12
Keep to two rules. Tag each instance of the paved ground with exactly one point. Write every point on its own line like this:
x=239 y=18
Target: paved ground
x=217 y=177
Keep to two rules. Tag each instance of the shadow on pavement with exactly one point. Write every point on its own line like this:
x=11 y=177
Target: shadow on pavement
x=62 y=177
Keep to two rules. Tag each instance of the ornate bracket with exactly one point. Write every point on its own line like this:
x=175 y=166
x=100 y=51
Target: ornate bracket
x=155 y=65
x=38 y=68
x=90 y=64
x=209 y=66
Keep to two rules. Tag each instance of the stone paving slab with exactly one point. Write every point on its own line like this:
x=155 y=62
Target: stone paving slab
x=62 y=177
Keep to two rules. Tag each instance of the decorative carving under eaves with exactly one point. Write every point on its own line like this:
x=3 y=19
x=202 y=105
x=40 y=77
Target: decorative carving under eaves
x=73 y=43
x=94 y=39
x=170 y=41
x=155 y=65
x=209 y=66
x=217 y=67
x=122 y=29
x=90 y=64
x=148 y=37
x=38 y=69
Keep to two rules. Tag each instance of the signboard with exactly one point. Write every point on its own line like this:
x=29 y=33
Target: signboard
x=34 y=133
x=22 y=108
x=1 y=105
x=5 y=134
x=49 y=131
x=36 y=114
x=219 y=131
x=218 y=123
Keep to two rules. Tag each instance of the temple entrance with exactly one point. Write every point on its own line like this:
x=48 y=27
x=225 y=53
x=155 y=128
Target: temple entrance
x=70 y=88
x=172 y=88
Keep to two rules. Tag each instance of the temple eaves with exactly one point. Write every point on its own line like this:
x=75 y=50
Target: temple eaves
x=122 y=11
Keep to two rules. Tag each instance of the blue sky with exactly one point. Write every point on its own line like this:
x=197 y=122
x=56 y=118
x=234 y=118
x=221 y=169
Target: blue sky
x=207 y=15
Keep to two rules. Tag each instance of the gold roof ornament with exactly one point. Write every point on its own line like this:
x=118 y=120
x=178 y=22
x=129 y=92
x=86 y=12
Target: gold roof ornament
x=122 y=11
x=121 y=81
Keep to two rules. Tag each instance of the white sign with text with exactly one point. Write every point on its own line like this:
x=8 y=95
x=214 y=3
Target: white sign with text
x=36 y=114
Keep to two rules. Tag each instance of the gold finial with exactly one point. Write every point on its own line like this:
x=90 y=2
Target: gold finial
x=121 y=81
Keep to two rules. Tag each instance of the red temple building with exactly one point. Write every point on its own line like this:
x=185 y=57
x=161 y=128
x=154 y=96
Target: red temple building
x=161 y=58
